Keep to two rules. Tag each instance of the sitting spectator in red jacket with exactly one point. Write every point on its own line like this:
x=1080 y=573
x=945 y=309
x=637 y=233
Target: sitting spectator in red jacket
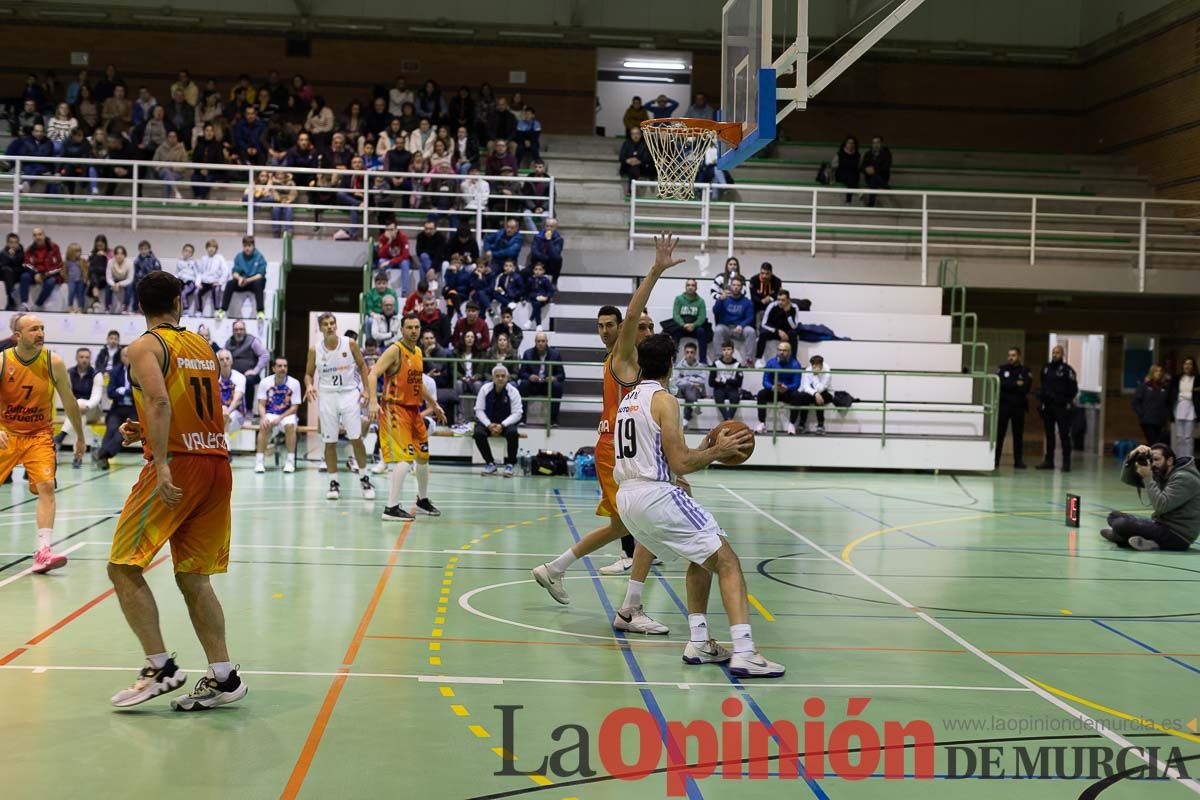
x=414 y=300
x=472 y=322
x=500 y=158
x=392 y=254
x=43 y=267
x=432 y=319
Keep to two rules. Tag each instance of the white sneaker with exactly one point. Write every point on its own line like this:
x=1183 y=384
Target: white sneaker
x=378 y=467
x=150 y=683
x=555 y=587
x=322 y=468
x=368 y=488
x=290 y=466
x=618 y=567
x=791 y=429
x=760 y=427
x=708 y=653
x=635 y=620
x=1142 y=543
x=210 y=693
x=335 y=491
x=352 y=463
x=259 y=466
x=753 y=665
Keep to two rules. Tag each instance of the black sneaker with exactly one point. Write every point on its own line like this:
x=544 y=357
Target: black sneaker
x=368 y=488
x=150 y=683
x=210 y=693
x=427 y=508
x=396 y=514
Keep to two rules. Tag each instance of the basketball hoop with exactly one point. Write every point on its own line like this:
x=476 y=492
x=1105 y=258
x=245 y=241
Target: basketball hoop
x=678 y=146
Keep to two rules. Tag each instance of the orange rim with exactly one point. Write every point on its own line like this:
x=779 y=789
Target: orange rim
x=730 y=132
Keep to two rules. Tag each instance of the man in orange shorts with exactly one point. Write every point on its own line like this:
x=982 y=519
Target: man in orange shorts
x=621 y=374
x=403 y=437
x=29 y=376
x=181 y=497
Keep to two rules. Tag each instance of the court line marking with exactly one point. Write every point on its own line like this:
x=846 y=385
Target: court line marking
x=1112 y=736
x=313 y=741
x=1119 y=714
x=759 y=607
x=29 y=570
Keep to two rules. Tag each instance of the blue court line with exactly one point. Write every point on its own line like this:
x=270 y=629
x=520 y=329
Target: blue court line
x=881 y=522
x=1145 y=646
x=745 y=694
x=635 y=669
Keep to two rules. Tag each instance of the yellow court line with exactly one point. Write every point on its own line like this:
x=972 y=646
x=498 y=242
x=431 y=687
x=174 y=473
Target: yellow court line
x=479 y=731
x=848 y=549
x=446 y=691
x=1119 y=714
x=434 y=661
x=759 y=607
x=460 y=711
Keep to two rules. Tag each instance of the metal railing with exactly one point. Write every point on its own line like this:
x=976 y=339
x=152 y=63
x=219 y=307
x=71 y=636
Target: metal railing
x=987 y=384
x=240 y=203
x=1143 y=231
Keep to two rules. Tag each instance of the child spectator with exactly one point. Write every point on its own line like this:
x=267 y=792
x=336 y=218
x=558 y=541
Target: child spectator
x=413 y=302
x=187 y=269
x=507 y=326
x=145 y=263
x=211 y=276
x=119 y=274
x=393 y=254
x=726 y=382
x=97 y=267
x=76 y=278
x=380 y=290
x=481 y=282
x=529 y=135
x=539 y=292
x=509 y=289
x=456 y=284
x=547 y=247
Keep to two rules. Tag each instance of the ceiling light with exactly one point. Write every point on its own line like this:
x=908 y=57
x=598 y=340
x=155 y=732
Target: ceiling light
x=619 y=37
x=532 y=34
x=73 y=14
x=258 y=23
x=654 y=63
x=168 y=18
x=451 y=31
x=645 y=78
x=348 y=26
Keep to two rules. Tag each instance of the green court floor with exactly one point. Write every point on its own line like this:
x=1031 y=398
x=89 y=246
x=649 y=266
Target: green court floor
x=384 y=660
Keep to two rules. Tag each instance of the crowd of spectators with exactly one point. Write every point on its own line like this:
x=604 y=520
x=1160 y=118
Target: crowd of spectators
x=852 y=168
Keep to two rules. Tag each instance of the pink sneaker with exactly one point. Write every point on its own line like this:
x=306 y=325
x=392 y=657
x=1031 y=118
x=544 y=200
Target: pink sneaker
x=44 y=561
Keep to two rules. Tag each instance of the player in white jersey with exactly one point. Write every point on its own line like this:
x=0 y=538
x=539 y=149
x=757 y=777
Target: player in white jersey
x=335 y=377
x=233 y=393
x=650 y=453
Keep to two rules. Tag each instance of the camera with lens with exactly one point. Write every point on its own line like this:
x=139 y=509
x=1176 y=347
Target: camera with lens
x=1142 y=458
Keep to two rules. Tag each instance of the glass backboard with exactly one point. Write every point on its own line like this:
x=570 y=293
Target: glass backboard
x=747 y=82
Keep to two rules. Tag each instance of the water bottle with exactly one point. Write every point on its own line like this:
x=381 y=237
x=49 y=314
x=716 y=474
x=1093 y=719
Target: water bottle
x=571 y=471
x=523 y=462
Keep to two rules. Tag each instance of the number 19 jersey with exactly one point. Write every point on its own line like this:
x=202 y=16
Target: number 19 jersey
x=638 y=438
x=193 y=381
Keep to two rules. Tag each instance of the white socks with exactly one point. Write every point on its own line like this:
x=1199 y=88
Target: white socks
x=399 y=472
x=699 y=625
x=422 y=470
x=44 y=537
x=259 y=459
x=220 y=670
x=742 y=641
x=158 y=660
x=633 y=595
x=561 y=564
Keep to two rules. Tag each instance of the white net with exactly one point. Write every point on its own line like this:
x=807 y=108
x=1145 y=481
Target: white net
x=678 y=149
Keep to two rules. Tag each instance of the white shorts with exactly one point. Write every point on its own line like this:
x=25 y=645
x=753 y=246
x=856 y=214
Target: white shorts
x=339 y=410
x=233 y=421
x=278 y=423
x=667 y=522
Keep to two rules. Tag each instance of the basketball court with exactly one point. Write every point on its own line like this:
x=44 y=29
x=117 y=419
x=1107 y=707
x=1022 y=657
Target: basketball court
x=377 y=656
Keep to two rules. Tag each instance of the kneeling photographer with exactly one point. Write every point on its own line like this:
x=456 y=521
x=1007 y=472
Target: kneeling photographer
x=1173 y=486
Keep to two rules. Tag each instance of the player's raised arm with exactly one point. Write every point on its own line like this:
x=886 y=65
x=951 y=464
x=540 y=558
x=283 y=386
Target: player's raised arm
x=681 y=458
x=386 y=361
x=62 y=383
x=624 y=361
x=146 y=369
x=310 y=371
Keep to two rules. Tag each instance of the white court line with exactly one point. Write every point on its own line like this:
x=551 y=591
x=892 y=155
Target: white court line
x=1112 y=736
x=484 y=680
x=29 y=570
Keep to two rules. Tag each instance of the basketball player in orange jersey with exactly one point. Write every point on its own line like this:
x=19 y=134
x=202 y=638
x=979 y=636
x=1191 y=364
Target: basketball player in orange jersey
x=29 y=376
x=182 y=497
x=621 y=374
x=403 y=437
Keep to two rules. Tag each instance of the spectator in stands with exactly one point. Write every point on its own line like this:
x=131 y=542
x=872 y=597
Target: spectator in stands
x=472 y=323
x=470 y=371
x=421 y=140
x=205 y=333
x=779 y=323
x=12 y=264
x=634 y=158
x=456 y=285
x=501 y=123
x=378 y=119
x=75 y=150
x=212 y=274
x=171 y=152
x=109 y=354
x=507 y=326
x=106 y=86
x=232 y=385
x=87 y=384
x=320 y=122
x=81 y=80
x=433 y=320
x=188 y=88
x=481 y=283
x=634 y=116
x=539 y=291
x=1183 y=401
x=145 y=263
x=119 y=277
x=1151 y=406
x=663 y=107
x=379 y=290
x=409 y=121
x=87 y=110
x=546 y=375
x=414 y=300
x=143 y=105
x=393 y=255
x=151 y=133
x=504 y=242
x=249 y=275
x=249 y=356
x=529 y=136
x=398 y=95
x=700 y=108
x=689 y=319
x=500 y=158
x=1173 y=487
x=502 y=352
x=816 y=388
x=1056 y=397
x=35 y=145
x=118 y=109
x=120 y=410
x=282 y=196
x=461 y=109
x=764 y=288
x=60 y=126
x=498 y=409
x=782 y=387
x=43 y=267
x=509 y=288
x=250 y=138
x=538 y=189
x=207 y=155
x=383 y=326
x=431 y=248
x=734 y=316
x=691 y=380
x=877 y=167
x=278 y=401
x=431 y=103
x=118 y=148
x=187 y=268
x=726 y=382
x=546 y=248
x=466 y=150
x=75 y=273
x=846 y=166
x=463 y=244
x=720 y=283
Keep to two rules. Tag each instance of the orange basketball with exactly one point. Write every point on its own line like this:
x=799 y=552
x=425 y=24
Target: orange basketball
x=736 y=427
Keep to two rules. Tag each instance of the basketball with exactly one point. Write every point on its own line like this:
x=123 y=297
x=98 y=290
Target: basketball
x=736 y=427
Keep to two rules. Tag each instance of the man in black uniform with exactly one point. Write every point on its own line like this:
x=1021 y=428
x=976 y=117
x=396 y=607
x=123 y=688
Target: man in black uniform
x=1015 y=382
x=1057 y=396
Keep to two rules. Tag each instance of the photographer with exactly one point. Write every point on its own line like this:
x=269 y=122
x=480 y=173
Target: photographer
x=1174 y=490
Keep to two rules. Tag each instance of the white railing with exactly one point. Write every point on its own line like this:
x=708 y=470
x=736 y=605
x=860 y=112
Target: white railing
x=143 y=195
x=1146 y=232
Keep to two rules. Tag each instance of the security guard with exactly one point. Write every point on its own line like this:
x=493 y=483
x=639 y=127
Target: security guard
x=1057 y=396
x=1015 y=383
